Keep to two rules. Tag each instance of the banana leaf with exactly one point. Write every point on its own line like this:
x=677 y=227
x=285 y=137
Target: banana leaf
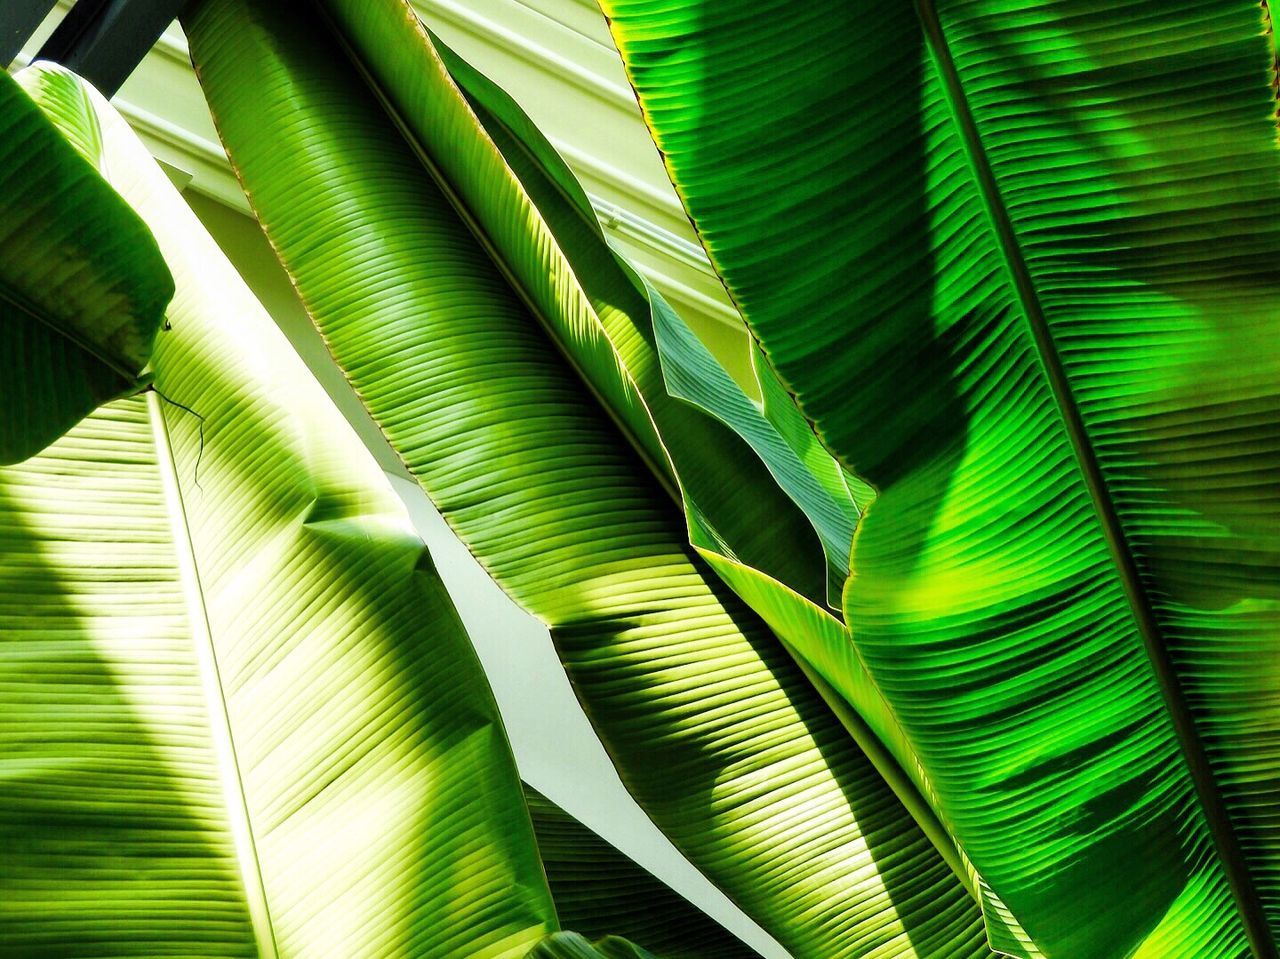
x=775 y=430
x=650 y=337
x=239 y=714
x=82 y=286
x=1019 y=264
x=446 y=297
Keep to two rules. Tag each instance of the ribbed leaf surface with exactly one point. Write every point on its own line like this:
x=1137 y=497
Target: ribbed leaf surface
x=241 y=717
x=600 y=892
x=743 y=538
x=1019 y=263
x=82 y=286
x=552 y=251
x=657 y=352
x=712 y=726
x=774 y=429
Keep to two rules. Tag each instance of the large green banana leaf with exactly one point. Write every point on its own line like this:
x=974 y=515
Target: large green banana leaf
x=774 y=428
x=82 y=286
x=655 y=336
x=599 y=892
x=1020 y=262
x=239 y=714
x=432 y=298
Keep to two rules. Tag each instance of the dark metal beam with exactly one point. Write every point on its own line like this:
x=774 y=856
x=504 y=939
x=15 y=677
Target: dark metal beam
x=18 y=20
x=104 y=40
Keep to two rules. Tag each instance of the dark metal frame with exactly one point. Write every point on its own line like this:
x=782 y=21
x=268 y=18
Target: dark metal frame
x=101 y=40
x=18 y=20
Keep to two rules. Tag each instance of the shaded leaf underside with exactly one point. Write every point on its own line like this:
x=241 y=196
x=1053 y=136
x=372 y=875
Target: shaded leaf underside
x=599 y=892
x=82 y=286
x=571 y=945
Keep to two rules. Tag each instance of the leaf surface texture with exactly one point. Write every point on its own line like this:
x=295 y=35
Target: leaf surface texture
x=241 y=717
x=83 y=288
x=1018 y=261
x=431 y=288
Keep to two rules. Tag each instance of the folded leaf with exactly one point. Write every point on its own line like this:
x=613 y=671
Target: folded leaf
x=713 y=728
x=240 y=716
x=1019 y=264
x=82 y=286
x=662 y=358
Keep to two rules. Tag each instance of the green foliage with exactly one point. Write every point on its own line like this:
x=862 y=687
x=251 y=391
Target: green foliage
x=1012 y=271
x=600 y=893
x=1019 y=264
x=520 y=399
x=239 y=715
x=82 y=286
x=570 y=945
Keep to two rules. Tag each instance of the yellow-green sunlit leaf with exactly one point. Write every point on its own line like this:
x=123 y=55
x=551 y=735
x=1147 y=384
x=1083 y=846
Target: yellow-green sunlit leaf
x=239 y=714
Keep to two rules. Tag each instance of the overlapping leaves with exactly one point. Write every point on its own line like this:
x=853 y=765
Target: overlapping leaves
x=82 y=285
x=239 y=714
x=453 y=300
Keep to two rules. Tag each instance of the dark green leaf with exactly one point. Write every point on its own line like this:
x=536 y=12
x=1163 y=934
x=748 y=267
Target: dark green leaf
x=1020 y=262
x=82 y=286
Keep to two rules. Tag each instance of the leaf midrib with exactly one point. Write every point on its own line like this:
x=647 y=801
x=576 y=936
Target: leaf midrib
x=1221 y=829
x=228 y=763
